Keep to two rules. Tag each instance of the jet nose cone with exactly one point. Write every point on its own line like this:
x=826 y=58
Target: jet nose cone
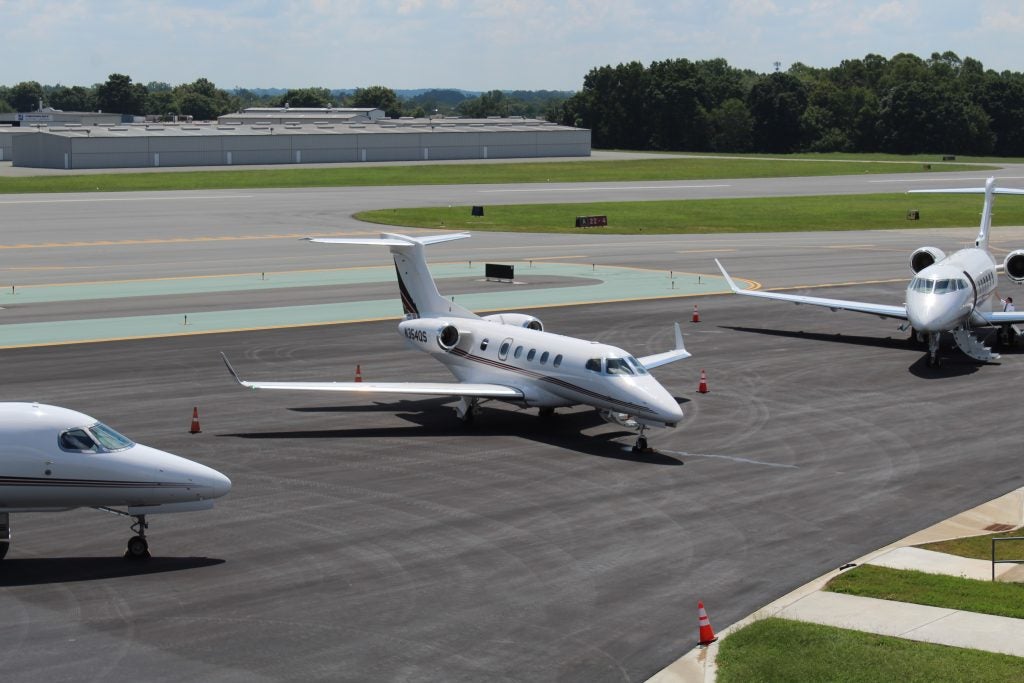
x=219 y=484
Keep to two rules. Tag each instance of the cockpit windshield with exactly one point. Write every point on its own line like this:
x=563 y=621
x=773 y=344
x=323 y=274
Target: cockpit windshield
x=617 y=366
x=109 y=438
x=95 y=439
x=929 y=286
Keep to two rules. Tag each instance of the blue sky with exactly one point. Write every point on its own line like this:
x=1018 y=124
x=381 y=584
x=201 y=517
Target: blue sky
x=474 y=44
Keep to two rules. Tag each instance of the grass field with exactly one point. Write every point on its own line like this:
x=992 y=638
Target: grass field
x=777 y=214
x=951 y=592
x=775 y=650
x=980 y=547
x=584 y=170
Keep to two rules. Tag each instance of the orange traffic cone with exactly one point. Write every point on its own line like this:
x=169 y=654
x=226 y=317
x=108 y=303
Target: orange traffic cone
x=359 y=374
x=696 y=315
x=707 y=634
x=194 y=429
x=702 y=388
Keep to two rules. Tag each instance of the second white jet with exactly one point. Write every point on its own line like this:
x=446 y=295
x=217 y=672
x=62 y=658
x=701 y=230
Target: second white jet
x=508 y=356
x=954 y=293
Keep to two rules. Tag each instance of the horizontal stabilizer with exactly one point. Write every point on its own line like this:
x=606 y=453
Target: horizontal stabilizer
x=390 y=240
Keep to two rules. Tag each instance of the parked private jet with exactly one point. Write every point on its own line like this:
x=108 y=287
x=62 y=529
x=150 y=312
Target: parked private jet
x=954 y=293
x=54 y=459
x=508 y=356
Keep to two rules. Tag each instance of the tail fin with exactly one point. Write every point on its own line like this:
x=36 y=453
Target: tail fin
x=420 y=298
x=990 y=191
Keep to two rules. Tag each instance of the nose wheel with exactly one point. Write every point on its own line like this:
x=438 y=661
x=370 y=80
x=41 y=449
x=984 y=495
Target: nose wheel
x=933 y=351
x=641 y=442
x=138 y=546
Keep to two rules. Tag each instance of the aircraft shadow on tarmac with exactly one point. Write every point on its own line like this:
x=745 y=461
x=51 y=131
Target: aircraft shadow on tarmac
x=433 y=417
x=954 y=363
x=40 y=571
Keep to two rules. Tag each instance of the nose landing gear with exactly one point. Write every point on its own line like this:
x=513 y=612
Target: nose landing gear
x=641 y=442
x=138 y=546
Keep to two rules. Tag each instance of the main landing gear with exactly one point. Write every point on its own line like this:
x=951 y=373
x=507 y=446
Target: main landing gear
x=5 y=533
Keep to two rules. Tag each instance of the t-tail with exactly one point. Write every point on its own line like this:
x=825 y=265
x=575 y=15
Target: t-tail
x=990 y=190
x=416 y=287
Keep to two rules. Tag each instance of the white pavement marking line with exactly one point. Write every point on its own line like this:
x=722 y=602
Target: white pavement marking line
x=934 y=179
x=605 y=189
x=734 y=458
x=122 y=199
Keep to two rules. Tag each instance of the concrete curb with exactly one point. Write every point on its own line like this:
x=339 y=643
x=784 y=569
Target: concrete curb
x=698 y=665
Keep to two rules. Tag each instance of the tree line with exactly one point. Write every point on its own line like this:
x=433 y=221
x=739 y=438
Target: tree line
x=902 y=105
x=203 y=100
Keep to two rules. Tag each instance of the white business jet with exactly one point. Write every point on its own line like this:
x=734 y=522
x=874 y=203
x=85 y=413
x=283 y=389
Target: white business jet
x=952 y=293
x=508 y=356
x=54 y=459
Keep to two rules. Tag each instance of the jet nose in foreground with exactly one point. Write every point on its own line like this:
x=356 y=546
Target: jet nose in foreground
x=218 y=483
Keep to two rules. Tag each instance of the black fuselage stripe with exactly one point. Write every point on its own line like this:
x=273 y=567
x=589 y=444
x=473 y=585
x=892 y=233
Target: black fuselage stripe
x=88 y=483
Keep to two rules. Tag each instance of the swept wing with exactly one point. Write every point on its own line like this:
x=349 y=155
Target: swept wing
x=407 y=388
x=881 y=310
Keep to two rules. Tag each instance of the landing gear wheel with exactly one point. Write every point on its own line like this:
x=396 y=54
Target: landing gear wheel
x=4 y=545
x=641 y=445
x=546 y=413
x=138 y=548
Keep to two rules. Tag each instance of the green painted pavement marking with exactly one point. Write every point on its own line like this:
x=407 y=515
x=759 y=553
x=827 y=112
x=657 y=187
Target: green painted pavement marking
x=612 y=284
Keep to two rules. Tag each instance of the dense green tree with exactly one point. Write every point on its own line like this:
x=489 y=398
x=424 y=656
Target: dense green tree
x=202 y=100
x=305 y=97
x=119 y=95
x=25 y=96
x=377 y=96
x=777 y=103
x=75 y=98
x=732 y=127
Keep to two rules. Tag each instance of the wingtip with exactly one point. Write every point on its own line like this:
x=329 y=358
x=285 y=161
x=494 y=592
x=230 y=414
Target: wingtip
x=728 y=280
x=234 y=374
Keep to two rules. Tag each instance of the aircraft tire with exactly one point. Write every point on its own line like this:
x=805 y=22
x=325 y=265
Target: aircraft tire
x=3 y=549
x=138 y=548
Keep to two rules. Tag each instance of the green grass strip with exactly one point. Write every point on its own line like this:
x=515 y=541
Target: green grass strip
x=775 y=650
x=585 y=170
x=698 y=216
x=936 y=590
x=980 y=547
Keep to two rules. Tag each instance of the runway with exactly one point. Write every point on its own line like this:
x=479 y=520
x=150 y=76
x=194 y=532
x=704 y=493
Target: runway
x=388 y=542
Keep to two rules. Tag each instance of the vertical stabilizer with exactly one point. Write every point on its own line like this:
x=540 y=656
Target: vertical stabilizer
x=990 y=191
x=416 y=287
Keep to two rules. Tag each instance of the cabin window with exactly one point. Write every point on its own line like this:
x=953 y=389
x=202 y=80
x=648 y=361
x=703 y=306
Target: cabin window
x=557 y=361
x=110 y=439
x=76 y=441
x=594 y=365
x=519 y=351
x=483 y=344
x=503 y=349
x=531 y=354
x=544 y=358
x=617 y=366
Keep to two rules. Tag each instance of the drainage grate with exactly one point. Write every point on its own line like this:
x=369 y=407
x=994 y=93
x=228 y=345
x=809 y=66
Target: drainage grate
x=1000 y=527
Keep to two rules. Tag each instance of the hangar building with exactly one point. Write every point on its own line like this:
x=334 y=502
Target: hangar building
x=208 y=144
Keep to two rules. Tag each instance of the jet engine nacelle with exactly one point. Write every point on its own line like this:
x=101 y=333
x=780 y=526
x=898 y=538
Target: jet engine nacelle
x=517 y=319
x=424 y=333
x=1013 y=265
x=924 y=257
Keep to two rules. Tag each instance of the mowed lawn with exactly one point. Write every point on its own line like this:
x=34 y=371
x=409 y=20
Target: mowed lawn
x=776 y=214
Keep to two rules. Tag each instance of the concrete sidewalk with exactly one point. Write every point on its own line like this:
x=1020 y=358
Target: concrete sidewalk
x=904 y=620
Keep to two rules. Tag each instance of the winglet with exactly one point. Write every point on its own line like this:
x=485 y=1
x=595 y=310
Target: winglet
x=679 y=339
x=732 y=285
x=232 y=370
